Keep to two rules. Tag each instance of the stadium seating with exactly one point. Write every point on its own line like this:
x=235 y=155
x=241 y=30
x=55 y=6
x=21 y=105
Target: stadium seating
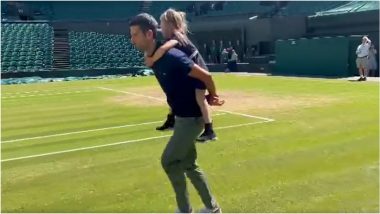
x=26 y=47
x=94 y=50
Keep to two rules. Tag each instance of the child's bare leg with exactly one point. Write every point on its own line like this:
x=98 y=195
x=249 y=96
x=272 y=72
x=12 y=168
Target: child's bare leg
x=203 y=105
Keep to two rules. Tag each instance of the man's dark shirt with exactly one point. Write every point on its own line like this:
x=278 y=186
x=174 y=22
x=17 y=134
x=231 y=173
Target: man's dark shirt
x=171 y=71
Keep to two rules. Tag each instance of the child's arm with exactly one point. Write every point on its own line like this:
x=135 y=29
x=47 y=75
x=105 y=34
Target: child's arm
x=149 y=61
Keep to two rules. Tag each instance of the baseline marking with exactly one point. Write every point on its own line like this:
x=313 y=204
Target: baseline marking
x=83 y=148
x=247 y=115
x=118 y=143
x=79 y=132
x=49 y=94
x=266 y=120
x=131 y=93
x=89 y=130
x=44 y=91
x=159 y=99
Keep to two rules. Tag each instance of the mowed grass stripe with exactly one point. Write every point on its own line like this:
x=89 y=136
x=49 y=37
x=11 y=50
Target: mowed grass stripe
x=256 y=172
x=78 y=132
x=47 y=94
x=87 y=139
x=307 y=194
x=258 y=177
x=56 y=103
x=95 y=111
x=74 y=125
x=220 y=119
x=100 y=113
x=77 y=141
x=320 y=158
x=111 y=116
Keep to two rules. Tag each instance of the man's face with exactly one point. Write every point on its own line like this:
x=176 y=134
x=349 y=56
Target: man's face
x=140 y=39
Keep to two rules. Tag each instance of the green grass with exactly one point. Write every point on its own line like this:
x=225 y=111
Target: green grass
x=320 y=156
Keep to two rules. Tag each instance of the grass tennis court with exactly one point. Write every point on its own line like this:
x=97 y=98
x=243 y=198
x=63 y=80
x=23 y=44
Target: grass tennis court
x=286 y=144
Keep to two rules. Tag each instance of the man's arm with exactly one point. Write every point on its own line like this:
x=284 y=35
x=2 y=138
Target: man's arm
x=201 y=74
x=185 y=64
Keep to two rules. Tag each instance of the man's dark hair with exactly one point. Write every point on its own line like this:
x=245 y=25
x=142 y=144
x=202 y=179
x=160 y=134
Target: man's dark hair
x=145 y=22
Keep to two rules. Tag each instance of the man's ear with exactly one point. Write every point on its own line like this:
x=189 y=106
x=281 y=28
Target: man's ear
x=149 y=34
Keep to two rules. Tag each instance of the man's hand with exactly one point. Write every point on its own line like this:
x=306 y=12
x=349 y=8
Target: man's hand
x=214 y=100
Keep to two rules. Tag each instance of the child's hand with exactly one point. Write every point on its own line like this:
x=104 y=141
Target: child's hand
x=149 y=61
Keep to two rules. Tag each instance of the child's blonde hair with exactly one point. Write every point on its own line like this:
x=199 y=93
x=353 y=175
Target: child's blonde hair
x=177 y=19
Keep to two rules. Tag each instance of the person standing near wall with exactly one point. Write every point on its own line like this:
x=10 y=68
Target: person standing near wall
x=232 y=61
x=223 y=56
x=230 y=45
x=213 y=52
x=362 y=61
x=219 y=51
x=240 y=51
x=205 y=52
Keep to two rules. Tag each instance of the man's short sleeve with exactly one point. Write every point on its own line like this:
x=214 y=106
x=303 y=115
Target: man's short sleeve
x=185 y=64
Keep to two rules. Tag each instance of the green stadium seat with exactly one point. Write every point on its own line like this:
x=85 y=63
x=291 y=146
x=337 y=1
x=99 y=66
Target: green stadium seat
x=20 y=42
x=100 y=50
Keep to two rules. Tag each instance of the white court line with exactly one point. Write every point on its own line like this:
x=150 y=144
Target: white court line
x=155 y=98
x=85 y=131
x=131 y=93
x=37 y=95
x=79 y=132
x=24 y=92
x=247 y=115
x=118 y=143
x=44 y=91
x=266 y=120
x=240 y=125
x=83 y=148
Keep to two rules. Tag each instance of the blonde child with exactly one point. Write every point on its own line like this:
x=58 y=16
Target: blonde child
x=174 y=29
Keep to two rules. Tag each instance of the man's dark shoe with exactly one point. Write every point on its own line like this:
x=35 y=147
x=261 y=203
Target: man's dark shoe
x=165 y=126
x=207 y=136
x=168 y=125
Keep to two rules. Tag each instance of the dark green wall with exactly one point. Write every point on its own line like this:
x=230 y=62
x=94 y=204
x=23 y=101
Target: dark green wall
x=328 y=56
